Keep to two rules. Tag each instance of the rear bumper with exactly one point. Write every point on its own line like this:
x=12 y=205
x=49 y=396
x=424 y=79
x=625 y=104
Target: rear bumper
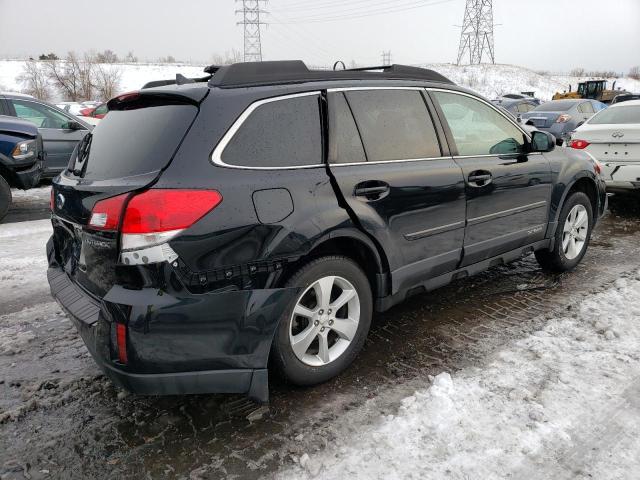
x=201 y=344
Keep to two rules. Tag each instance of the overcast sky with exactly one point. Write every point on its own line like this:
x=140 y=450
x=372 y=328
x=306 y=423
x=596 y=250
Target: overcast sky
x=554 y=35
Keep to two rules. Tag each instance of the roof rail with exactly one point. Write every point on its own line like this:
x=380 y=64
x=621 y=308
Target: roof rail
x=295 y=71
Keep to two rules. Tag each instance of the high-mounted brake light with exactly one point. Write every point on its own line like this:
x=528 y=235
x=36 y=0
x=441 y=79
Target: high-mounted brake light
x=106 y=213
x=127 y=97
x=564 y=118
x=579 y=144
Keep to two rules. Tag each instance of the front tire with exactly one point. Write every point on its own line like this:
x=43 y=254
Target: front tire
x=324 y=328
x=572 y=235
x=5 y=197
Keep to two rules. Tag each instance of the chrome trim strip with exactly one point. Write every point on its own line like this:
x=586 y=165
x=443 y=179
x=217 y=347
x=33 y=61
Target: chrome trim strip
x=387 y=161
x=482 y=100
x=432 y=231
x=498 y=155
x=216 y=155
x=504 y=213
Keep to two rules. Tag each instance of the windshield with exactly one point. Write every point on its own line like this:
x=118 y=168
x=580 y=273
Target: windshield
x=133 y=142
x=555 y=106
x=617 y=115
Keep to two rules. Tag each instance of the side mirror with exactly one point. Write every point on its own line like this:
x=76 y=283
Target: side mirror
x=542 y=141
x=73 y=125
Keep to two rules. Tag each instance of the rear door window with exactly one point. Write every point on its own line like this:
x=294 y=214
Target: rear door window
x=345 y=145
x=394 y=124
x=281 y=133
x=477 y=128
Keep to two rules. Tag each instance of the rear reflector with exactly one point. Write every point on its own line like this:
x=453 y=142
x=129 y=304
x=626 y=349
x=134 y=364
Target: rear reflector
x=121 y=339
x=163 y=210
x=579 y=144
x=106 y=213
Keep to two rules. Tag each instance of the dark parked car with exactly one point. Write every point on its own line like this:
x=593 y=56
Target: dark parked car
x=259 y=216
x=625 y=97
x=561 y=117
x=60 y=130
x=21 y=158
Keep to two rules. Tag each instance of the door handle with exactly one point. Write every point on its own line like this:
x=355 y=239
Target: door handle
x=371 y=190
x=479 y=179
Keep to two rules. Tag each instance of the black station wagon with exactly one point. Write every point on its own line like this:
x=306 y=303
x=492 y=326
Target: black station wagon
x=209 y=229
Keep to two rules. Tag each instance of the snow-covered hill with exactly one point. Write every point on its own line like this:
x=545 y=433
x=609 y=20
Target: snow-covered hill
x=489 y=80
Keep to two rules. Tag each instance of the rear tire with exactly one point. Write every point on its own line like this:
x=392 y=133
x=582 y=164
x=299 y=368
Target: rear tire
x=5 y=197
x=327 y=330
x=572 y=236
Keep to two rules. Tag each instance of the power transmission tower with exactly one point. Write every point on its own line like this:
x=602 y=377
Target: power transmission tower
x=251 y=20
x=386 y=58
x=476 y=38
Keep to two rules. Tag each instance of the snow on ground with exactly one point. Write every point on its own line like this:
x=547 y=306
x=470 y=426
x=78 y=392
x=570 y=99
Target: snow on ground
x=563 y=402
x=23 y=263
x=489 y=80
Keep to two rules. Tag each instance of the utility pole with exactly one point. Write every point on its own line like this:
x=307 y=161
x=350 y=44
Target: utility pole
x=386 y=58
x=251 y=20
x=476 y=38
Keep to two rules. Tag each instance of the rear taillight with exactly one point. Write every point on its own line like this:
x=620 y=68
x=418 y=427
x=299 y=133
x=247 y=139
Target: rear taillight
x=147 y=221
x=106 y=213
x=160 y=210
x=564 y=118
x=51 y=201
x=579 y=144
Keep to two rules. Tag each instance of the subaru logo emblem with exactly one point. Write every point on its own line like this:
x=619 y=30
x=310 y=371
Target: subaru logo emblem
x=617 y=134
x=59 y=201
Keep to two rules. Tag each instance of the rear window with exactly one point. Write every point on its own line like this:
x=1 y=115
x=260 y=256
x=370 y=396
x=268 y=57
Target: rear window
x=617 y=115
x=281 y=133
x=555 y=106
x=394 y=124
x=133 y=142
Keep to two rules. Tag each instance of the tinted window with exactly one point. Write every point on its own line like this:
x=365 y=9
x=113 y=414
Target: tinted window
x=477 y=128
x=283 y=133
x=345 y=145
x=101 y=110
x=619 y=115
x=133 y=142
x=394 y=124
x=41 y=115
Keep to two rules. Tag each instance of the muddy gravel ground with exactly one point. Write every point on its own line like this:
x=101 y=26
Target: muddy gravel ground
x=60 y=418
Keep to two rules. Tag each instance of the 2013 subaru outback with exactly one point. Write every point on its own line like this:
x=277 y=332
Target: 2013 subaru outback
x=210 y=228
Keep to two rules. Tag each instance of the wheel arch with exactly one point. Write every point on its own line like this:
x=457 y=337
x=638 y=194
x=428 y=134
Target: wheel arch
x=586 y=185
x=354 y=245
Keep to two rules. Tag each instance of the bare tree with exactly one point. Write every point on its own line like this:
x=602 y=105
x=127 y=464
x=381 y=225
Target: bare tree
x=229 y=57
x=131 y=58
x=107 y=81
x=635 y=73
x=578 y=72
x=35 y=81
x=108 y=56
x=73 y=76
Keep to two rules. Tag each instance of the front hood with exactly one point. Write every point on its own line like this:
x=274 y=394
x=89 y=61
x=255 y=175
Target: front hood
x=16 y=125
x=609 y=133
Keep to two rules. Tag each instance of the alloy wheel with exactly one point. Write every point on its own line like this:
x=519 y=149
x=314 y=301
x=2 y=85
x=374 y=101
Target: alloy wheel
x=574 y=234
x=324 y=321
